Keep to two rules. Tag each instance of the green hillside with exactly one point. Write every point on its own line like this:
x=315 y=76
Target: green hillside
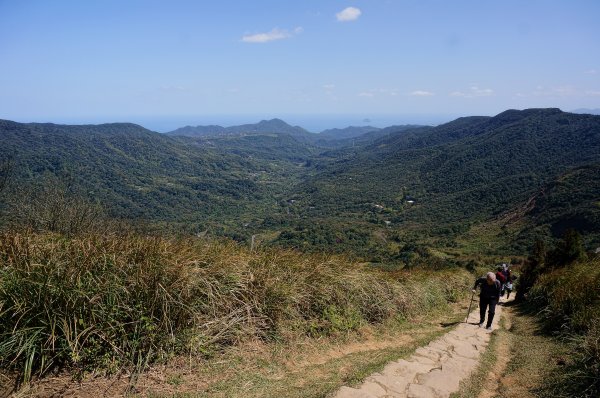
x=457 y=174
x=395 y=193
x=571 y=201
x=137 y=174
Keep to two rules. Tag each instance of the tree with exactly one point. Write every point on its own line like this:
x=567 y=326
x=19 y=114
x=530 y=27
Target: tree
x=569 y=249
x=54 y=205
x=6 y=168
x=534 y=266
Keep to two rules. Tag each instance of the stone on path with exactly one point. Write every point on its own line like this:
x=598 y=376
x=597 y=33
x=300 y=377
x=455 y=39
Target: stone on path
x=433 y=371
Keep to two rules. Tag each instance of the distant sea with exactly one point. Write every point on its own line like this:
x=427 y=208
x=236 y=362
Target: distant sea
x=312 y=123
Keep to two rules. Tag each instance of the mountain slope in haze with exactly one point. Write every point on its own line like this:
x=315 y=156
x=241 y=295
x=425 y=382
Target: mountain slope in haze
x=266 y=146
x=331 y=138
x=458 y=173
x=347 y=132
x=367 y=137
x=262 y=127
x=199 y=131
x=588 y=111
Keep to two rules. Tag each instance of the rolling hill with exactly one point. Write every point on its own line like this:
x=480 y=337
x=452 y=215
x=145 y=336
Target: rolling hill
x=397 y=185
x=263 y=127
x=138 y=174
x=456 y=174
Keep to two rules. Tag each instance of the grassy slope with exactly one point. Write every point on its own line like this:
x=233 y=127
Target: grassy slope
x=106 y=302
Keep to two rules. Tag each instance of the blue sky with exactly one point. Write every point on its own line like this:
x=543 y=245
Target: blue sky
x=168 y=63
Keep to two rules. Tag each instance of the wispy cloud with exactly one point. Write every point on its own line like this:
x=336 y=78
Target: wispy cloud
x=472 y=92
x=379 y=92
x=557 y=91
x=274 y=34
x=421 y=93
x=591 y=72
x=348 y=14
x=330 y=91
x=173 y=88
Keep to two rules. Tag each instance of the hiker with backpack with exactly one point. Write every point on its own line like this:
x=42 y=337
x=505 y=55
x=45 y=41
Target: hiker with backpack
x=501 y=278
x=488 y=298
x=507 y=286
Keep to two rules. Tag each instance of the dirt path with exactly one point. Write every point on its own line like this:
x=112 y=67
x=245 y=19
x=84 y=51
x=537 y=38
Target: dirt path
x=435 y=370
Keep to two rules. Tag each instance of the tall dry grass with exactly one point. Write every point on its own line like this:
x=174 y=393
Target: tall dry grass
x=111 y=301
x=569 y=303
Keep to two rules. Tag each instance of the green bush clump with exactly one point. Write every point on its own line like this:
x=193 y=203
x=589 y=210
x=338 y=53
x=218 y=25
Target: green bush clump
x=106 y=302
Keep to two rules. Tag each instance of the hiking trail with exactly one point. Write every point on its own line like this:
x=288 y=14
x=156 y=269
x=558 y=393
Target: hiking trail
x=433 y=371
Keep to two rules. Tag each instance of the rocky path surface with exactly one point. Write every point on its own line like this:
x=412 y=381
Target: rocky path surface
x=433 y=371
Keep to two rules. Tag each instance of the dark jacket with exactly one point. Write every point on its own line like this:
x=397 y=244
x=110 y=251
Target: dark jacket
x=488 y=291
x=500 y=277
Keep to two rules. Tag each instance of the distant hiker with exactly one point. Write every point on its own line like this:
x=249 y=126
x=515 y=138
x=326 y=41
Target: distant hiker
x=506 y=272
x=488 y=297
x=508 y=287
x=501 y=278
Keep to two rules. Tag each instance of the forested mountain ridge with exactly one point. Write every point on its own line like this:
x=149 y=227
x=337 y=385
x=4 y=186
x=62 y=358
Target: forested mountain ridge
x=136 y=173
x=458 y=173
x=401 y=182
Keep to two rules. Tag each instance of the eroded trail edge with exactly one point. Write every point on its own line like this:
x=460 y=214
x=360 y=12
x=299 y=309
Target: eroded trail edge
x=435 y=370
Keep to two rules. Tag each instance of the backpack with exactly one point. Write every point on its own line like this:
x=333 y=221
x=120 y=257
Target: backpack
x=500 y=276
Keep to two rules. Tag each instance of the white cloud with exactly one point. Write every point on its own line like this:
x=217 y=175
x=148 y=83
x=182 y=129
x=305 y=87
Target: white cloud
x=348 y=14
x=328 y=86
x=274 y=34
x=421 y=93
x=473 y=92
x=593 y=93
x=591 y=72
x=366 y=94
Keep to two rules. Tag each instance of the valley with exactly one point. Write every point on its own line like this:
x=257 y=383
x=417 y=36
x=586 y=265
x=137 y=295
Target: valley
x=379 y=195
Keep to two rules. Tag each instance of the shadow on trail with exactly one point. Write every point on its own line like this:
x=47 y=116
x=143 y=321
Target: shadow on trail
x=448 y=324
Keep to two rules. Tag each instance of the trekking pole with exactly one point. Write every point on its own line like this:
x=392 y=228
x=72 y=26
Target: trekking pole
x=470 y=304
